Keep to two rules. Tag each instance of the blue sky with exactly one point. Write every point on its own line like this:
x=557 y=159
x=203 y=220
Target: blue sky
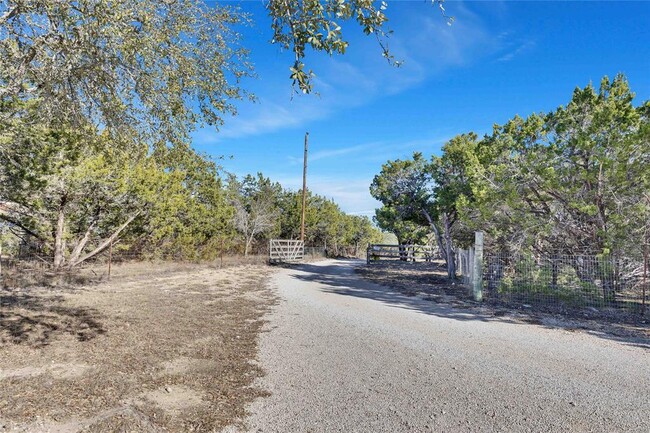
x=498 y=59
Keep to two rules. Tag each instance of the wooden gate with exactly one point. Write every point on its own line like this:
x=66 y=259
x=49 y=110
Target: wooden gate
x=409 y=253
x=286 y=251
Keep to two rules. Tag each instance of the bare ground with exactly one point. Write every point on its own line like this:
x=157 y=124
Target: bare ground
x=158 y=348
x=429 y=281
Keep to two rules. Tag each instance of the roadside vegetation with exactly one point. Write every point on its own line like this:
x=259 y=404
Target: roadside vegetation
x=573 y=181
x=98 y=100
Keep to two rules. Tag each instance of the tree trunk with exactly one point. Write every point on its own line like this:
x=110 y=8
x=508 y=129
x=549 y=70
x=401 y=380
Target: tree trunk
x=449 y=248
x=59 y=258
x=402 y=252
x=438 y=236
x=78 y=249
x=608 y=272
x=247 y=246
x=555 y=270
x=107 y=242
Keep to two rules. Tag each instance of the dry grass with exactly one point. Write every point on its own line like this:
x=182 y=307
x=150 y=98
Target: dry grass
x=37 y=273
x=158 y=348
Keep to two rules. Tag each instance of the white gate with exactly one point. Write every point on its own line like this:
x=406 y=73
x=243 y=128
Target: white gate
x=286 y=251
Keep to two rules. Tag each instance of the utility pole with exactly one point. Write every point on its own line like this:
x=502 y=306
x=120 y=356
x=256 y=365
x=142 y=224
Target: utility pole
x=304 y=191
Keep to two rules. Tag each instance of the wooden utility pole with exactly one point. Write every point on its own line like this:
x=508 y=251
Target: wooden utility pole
x=304 y=191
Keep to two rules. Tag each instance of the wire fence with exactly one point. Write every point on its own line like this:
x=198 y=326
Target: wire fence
x=566 y=281
x=38 y=262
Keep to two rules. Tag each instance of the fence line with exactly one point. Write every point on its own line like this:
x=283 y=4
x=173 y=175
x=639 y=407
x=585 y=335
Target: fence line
x=406 y=252
x=565 y=281
x=465 y=265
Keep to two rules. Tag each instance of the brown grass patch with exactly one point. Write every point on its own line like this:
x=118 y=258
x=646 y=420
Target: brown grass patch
x=158 y=348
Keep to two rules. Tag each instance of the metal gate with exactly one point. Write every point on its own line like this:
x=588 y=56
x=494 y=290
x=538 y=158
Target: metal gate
x=286 y=251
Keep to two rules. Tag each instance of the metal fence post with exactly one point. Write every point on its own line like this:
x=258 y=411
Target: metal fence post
x=477 y=274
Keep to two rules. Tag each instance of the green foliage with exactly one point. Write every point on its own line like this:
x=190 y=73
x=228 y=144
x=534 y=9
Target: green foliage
x=529 y=281
x=97 y=102
x=316 y=24
x=325 y=223
x=155 y=68
x=158 y=67
x=570 y=181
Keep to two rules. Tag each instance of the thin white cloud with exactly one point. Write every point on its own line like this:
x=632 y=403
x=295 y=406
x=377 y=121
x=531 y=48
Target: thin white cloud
x=267 y=116
x=352 y=195
x=424 y=42
x=522 y=48
x=332 y=153
x=380 y=149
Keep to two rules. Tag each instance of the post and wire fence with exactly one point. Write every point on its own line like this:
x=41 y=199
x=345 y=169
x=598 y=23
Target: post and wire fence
x=567 y=281
x=555 y=282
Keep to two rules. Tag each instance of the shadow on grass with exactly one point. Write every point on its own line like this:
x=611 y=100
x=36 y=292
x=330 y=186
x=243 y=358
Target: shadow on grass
x=452 y=302
x=35 y=320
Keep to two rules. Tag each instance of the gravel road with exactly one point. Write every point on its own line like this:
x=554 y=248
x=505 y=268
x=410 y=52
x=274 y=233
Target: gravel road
x=344 y=355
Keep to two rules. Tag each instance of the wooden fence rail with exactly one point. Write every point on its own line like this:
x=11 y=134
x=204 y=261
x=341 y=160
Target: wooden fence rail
x=410 y=253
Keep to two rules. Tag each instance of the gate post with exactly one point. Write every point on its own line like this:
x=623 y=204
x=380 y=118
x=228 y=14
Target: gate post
x=477 y=275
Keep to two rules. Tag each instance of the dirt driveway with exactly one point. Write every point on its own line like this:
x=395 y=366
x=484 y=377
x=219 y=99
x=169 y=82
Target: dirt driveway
x=345 y=355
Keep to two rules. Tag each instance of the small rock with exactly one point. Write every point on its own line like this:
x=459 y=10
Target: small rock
x=168 y=389
x=526 y=306
x=444 y=412
x=572 y=403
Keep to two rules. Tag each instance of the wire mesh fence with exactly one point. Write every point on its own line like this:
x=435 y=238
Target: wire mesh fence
x=566 y=281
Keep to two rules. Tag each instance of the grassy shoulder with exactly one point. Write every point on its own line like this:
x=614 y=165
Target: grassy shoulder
x=158 y=348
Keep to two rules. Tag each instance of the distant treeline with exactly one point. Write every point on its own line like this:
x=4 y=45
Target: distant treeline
x=68 y=193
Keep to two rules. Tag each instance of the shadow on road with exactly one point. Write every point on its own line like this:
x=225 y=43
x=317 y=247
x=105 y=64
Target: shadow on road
x=341 y=279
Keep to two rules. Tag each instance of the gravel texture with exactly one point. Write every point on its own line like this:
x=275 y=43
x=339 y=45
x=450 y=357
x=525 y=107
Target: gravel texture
x=343 y=354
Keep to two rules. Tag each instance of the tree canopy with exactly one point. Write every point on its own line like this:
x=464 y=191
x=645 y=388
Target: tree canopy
x=156 y=68
x=571 y=181
x=153 y=69
x=97 y=102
